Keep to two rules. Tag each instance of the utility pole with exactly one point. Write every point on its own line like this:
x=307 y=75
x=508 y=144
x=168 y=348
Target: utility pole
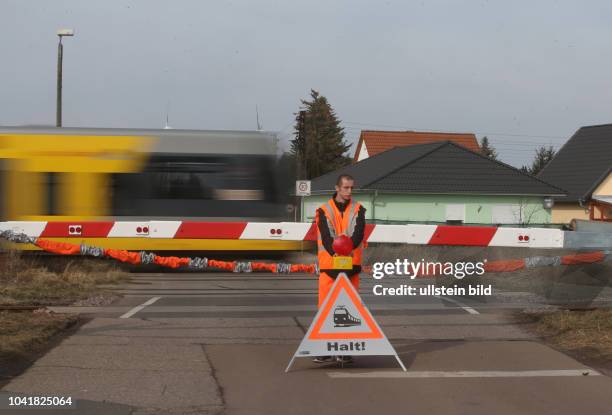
x=60 y=57
x=259 y=127
x=302 y=164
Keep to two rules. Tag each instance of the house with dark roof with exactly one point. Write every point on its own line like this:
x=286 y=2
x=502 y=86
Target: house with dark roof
x=600 y=199
x=373 y=142
x=583 y=168
x=440 y=183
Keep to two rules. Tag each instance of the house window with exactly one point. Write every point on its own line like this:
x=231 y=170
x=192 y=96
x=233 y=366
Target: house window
x=310 y=210
x=506 y=214
x=455 y=213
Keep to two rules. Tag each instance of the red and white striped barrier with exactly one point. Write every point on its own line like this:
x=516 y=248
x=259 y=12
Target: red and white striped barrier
x=202 y=263
x=293 y=231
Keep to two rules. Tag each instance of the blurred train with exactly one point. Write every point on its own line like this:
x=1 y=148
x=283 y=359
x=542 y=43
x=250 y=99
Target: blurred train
x=103 y=174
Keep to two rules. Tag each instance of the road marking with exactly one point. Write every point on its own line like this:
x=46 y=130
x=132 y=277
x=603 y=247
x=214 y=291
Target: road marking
x=140 y=307
x=463 y=306
x=244 y=308
x=468 y=374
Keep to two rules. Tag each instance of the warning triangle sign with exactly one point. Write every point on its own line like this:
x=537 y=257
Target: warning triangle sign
x=344 y=326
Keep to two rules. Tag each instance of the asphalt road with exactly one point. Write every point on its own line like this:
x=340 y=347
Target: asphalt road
x=219 y=343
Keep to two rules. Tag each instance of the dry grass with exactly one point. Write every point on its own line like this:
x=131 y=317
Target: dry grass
x=586 y=333
x=26 y=279
x=36 y=280
x=24 y=333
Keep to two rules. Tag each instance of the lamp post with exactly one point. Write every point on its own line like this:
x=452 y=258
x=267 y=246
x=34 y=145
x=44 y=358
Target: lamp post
x=60 y=54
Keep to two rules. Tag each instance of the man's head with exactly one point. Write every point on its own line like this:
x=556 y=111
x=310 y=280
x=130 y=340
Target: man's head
x=344 y=187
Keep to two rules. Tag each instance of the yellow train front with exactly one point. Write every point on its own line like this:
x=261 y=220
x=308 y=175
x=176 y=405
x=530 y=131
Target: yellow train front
x=100 y=176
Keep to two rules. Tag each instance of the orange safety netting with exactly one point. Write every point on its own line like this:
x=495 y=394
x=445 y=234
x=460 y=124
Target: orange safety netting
x=171 y=261
x=62 y=248
x=224 y=265
x=310 y=268
x=123 y=256
x=505 y=266
x=260 y=266
x=65 y=248
x=587 y=258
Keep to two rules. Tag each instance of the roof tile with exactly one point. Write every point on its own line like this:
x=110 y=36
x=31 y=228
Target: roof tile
x=581 y=162
x=439 y=168
x=378 y=141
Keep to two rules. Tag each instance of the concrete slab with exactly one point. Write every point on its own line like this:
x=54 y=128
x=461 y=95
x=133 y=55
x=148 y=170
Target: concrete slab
x=153 y=389
x=201 y=329
x=221 y=342
x=485 y=355
x=269 y=333
x=308 y=389
x=150 y=357
x=220 y=322
x=80 y=406
x=97 y=364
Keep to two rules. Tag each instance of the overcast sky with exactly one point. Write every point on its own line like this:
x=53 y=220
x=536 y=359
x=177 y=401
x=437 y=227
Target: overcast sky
x=523 y=73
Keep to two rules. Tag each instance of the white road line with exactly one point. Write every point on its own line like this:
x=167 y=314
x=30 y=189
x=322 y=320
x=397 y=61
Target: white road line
x=240 y=308
x=140 y=307
x=463 y=306
x=468 y=374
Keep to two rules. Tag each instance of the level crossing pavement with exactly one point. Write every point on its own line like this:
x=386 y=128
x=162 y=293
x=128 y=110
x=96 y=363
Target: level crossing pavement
x=204 y=343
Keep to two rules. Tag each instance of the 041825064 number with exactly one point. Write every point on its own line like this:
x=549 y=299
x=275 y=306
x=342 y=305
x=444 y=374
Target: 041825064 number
x=31 y=401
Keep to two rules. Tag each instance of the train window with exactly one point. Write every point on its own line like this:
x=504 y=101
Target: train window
x=181 y=185
x=202 y=185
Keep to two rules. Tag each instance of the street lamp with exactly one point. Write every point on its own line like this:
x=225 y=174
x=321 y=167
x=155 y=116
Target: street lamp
x=60 y=53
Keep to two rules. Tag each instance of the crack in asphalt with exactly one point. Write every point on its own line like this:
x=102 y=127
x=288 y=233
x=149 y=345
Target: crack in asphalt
x=299 y=325
x=213 y=374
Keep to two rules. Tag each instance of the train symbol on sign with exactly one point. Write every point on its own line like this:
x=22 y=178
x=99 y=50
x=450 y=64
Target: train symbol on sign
x=342 y=318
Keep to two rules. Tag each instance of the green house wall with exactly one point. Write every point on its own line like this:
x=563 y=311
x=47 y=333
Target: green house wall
x=479 y=209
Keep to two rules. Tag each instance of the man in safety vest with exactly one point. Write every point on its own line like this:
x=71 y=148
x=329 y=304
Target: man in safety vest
x=340 y=215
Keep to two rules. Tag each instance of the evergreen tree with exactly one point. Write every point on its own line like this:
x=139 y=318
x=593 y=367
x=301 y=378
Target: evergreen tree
x=487 y=149
x=319 y=145
x=285 y=176
x=542 y=157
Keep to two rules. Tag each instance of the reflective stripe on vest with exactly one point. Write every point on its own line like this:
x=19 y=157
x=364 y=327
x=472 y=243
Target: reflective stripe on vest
x=327 y=209
x=338 y=224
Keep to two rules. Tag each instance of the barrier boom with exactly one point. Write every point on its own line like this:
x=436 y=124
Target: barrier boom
x=414 y=234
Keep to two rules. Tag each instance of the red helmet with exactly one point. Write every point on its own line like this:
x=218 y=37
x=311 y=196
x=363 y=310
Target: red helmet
x=343 y=245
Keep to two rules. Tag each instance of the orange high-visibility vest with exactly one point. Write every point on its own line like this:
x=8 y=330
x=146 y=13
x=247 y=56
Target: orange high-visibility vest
x=338 y=224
